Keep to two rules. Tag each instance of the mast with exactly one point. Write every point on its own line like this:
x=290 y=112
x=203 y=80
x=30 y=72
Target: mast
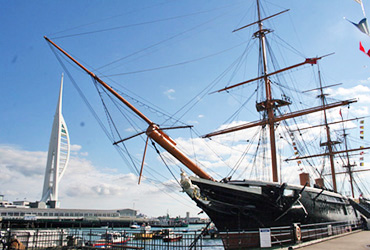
x=153 y=131
x=261 y=34
x=329 y=143
x=349 y=165
x=270 y=104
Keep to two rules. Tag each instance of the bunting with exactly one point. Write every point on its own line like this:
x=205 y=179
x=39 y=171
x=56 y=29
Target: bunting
x=362 y=26
x=362 y=6
x=361 y=137
x=296 y=152
x=363 y=50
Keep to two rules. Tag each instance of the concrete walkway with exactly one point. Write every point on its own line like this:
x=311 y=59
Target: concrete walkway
x=355 y=240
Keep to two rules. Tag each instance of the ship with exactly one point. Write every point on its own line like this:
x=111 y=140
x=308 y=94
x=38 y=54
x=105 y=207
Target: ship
x=236 y=205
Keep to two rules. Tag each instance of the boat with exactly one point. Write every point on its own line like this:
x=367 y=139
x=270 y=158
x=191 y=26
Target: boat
x=167 y=235
x=238 y=205
x=111 y=239
x=172 y=237
x=252 y=204
x=134 y=226
x=166 y=222
x=147 y=235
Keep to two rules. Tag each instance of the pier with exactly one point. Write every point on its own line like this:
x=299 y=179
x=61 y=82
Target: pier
x=353 y=240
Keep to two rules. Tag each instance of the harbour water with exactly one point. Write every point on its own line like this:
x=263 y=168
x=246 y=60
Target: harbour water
x=190 y=237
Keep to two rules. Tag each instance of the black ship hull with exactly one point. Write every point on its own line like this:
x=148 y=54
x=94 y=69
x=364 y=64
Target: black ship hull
x=248 y=205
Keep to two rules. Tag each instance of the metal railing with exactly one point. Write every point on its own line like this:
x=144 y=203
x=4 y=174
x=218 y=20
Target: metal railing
x=35 y=239
x=288 y=235
x=112 y=239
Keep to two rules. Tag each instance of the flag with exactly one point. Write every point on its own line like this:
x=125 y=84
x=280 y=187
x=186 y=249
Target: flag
x=362 y=153
x=362 y=122
x=361 y=164
x=361 y=132
x=361 y=127
x=340 y=113
x=361 y=137
x=363 y=50
x=362 y=26
x=362 y=6
x=361 y=158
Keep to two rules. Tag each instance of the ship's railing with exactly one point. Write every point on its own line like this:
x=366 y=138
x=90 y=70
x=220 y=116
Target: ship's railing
x=288 y=235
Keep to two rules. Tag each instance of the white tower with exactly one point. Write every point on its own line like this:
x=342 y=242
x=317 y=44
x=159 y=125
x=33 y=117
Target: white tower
x=58 y=156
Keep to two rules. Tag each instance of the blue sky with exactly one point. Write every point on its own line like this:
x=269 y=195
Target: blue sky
x=150 y=34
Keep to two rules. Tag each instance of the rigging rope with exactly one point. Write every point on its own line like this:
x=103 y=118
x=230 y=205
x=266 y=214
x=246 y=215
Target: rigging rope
x=132 y=25
x=101 y=124
x=119 y=149
x=162 y=41
x=238 y=164
x=160 y=155
x=197 y=98
x=175 y=64
x=108 y=18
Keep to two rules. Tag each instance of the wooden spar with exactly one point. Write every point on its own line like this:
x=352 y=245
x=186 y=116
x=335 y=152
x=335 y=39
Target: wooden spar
x=279 y=118
x=353 y=171
x=130 y=137
x=325 y=154
x=143 y=161
x=307 y=61
x=328 y=86
x=153 y=130
x=129 y=105
x=331 y=123
x=281 y=12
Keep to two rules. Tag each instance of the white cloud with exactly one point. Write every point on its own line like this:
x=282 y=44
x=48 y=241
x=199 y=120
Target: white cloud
x=192 y=122
x=367 y=81
x=359 y=92
x=75 y=147
x=86 y=186
x=130 y=129
x=169 y=93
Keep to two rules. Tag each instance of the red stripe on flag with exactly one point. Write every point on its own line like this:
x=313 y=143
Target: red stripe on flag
x=362 y=48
